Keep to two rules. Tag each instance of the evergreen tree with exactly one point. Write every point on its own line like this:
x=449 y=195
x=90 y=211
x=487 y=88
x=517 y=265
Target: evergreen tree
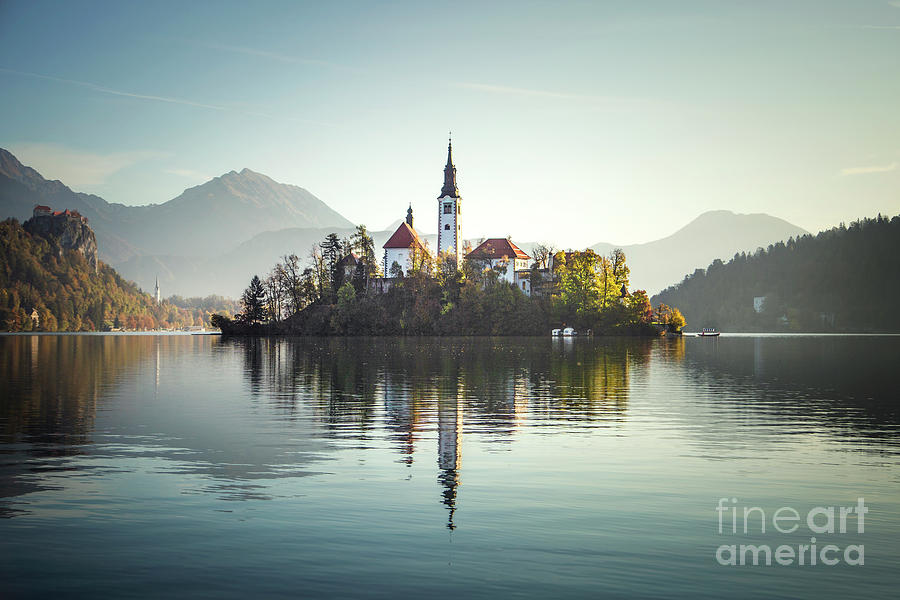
x=332 y=250
x=253 y=302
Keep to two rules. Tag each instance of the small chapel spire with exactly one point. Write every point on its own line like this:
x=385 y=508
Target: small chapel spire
x=409 y=217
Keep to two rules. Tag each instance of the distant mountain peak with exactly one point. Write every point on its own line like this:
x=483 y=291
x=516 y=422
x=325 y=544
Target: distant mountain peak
x=724 y=219
x=711 y=235
x=204 y=220
x=12 y=168
x=25 y=175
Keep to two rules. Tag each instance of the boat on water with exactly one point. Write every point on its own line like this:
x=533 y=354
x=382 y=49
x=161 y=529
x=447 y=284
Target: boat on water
x=708 y=332
x=564 y=332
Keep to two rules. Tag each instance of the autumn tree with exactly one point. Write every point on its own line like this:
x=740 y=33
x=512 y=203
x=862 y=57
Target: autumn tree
x=618 y=268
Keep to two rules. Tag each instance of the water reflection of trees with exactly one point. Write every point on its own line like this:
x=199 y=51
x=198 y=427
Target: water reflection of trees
x=51 y=388
x=406 y=387
x=853 y=372
x=359 y=380
x=839 y=386
x=52 y=384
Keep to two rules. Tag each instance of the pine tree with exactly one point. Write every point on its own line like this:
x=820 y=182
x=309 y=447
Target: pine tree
x=253 y=302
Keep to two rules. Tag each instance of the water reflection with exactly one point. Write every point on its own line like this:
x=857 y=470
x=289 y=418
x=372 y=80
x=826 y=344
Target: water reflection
x=838 y=384
x=51 y=387
x=237 y=415
x=408 y=388
x=319 y=464
x=449 y=432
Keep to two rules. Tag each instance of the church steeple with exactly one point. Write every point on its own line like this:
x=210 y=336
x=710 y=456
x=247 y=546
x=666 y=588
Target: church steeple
x=449 y=188
x=409 y=217
x=449 y=232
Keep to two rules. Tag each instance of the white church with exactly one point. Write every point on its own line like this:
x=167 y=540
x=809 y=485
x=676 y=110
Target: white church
x=501 y=253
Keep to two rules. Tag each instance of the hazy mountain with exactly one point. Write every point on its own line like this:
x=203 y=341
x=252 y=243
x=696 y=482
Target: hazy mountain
x=214 y=237
x=715 y=234
x=229 y=273
x=204 y=221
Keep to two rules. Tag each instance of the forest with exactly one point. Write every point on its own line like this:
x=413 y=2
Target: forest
x=46 y=288
x=846 y=279
x=342 y=293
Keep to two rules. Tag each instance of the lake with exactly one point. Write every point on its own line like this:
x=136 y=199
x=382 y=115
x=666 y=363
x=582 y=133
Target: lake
x=172 y=465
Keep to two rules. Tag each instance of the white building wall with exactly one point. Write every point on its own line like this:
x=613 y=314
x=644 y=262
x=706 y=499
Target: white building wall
x=522 y=282
x=449 y=231
x=512 y=266
x=400 y=255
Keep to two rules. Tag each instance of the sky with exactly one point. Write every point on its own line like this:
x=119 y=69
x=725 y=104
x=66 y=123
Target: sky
x=573 y=122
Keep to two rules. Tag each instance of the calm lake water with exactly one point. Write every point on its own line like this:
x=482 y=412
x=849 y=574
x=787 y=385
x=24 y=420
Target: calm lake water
x=172 y=466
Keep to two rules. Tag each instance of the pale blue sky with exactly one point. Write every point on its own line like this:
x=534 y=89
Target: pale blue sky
x=573 y=122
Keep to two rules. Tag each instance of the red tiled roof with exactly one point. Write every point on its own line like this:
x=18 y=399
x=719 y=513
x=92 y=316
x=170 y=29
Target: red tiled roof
x=41 y=207
x=497 y=248
x=404 y=237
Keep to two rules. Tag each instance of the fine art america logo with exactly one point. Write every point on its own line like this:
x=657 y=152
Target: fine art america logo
x=827 y=521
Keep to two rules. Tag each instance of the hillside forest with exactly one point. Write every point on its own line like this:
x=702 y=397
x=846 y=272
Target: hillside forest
x=44 y=287
x=846 y=279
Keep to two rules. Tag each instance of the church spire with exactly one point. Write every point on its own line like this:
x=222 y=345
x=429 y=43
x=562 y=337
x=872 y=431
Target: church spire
x=409 y=217
x=449 y=188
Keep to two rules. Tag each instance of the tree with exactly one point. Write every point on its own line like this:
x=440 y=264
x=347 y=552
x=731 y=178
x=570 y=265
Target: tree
x=318 y=274
x=448 y=275
x=364 y=247
x=671 y=317
x=274 y=293
x=346 y=295
x=618 y=268
x=332 y=251
x=253 y=302
x=543 y=255
x=420 y=261
x=578 y=283
x=639 y=308
x=292 y=284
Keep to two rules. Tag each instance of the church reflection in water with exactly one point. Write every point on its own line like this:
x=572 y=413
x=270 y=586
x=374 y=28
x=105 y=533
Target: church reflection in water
x=421 y=392
x=300 y=399
x=449 y=432
x=416 y=396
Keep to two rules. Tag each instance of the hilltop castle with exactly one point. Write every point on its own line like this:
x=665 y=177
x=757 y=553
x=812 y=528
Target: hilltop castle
x=67 y=228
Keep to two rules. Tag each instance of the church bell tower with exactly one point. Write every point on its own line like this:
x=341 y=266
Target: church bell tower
x=449 y=234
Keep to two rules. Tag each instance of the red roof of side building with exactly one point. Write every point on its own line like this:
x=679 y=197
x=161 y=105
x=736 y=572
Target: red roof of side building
x=42 y=207
x=497 y=248
x=404 y=237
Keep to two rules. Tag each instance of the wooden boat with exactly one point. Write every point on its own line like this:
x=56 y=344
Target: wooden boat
x=708 y=332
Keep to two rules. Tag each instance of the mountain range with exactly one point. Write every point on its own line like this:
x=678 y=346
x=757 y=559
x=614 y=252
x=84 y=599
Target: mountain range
x=243 y=204
x=181 y=241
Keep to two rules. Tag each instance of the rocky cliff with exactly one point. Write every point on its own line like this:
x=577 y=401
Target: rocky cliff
x=68 y=230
